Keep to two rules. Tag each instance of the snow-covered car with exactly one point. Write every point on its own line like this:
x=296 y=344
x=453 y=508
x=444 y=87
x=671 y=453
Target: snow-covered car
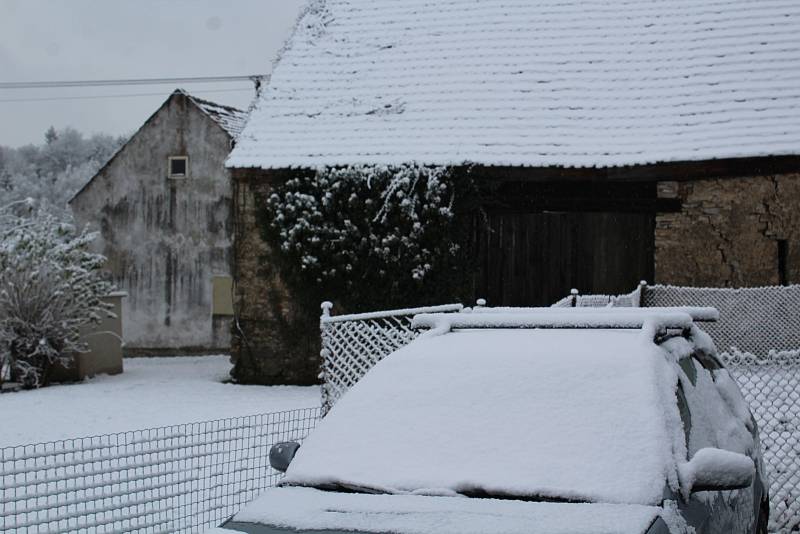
x=537 y=421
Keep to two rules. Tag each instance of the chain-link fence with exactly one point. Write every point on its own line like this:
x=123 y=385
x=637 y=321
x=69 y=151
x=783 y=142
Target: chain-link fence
x=175 y=479
x=353 y=344
x=758 y=336
x=752 y=320
x=772 y=387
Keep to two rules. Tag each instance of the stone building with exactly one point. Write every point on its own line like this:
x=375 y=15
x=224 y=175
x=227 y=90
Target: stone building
x=163 y=207
x=620 y=142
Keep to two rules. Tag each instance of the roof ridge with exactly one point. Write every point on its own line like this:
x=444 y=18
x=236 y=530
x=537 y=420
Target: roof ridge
x=231 y=119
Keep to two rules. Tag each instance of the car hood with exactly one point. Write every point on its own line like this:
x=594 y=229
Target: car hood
x=296 y=509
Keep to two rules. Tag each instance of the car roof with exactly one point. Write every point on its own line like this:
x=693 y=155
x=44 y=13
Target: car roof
x=579 y=414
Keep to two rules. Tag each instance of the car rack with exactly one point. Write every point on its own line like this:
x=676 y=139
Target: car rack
x=697 y=313
x=661 y=323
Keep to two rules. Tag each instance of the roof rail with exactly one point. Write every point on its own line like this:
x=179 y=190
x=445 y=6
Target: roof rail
x=697 y=313
x=654 y=320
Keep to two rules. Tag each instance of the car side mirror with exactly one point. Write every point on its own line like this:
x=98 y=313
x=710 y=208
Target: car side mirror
x=281 y=455
x=716 y=470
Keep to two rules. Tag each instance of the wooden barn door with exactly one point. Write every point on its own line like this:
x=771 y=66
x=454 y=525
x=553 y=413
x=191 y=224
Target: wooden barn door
x=534 y=259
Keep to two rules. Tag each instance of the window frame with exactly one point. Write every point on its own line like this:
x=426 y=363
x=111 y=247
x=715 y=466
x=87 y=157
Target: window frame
x=183 y=176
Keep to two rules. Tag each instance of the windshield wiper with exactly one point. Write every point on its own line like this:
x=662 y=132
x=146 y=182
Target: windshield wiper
x=342 y=487
x=478 y=493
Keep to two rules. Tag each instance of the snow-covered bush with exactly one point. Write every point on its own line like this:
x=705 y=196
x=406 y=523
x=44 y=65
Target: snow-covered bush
x=50 y=287
x=370 y=236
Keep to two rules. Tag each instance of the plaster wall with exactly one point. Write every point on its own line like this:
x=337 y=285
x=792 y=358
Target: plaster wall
x=166 y=238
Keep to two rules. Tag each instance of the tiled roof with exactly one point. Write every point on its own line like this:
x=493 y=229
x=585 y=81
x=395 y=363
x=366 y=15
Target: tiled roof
x=531 y=83
x=231 y=119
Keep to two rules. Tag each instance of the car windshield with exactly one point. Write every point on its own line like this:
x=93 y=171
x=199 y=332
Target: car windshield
x=574 y=415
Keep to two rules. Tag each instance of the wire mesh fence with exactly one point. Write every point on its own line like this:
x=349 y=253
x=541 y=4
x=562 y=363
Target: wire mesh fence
x=772 y=387
x=175 y=479
x=752 y=320
x=758 y=336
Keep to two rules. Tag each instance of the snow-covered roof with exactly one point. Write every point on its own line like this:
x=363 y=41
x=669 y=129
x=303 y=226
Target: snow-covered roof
x=530 y=83
x=231 y=119
x=583 y=415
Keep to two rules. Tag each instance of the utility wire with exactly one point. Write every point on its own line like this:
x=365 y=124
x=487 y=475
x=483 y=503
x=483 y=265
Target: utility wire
x=126 y=95
x=256 y=78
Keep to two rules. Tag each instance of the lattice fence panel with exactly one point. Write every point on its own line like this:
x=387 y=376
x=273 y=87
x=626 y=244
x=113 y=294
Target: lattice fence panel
x=353 y=344
x=176 y=479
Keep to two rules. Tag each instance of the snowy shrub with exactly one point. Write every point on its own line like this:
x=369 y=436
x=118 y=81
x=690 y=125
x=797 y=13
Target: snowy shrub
x=370 y=236
x=50 y=287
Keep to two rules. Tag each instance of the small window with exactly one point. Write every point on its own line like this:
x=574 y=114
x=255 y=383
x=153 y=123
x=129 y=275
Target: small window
x=178 y=167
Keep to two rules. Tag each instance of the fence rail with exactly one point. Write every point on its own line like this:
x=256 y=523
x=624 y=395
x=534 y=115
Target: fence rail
x=175 y=479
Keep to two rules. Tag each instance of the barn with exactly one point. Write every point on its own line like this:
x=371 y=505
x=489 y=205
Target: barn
x=618 y=141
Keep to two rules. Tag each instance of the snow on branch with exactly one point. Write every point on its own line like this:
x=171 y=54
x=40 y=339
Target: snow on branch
x=50 y=287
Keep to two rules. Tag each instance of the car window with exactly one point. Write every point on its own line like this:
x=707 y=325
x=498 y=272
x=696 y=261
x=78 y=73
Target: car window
x=708 y=361
x=717 y=419
x=686 y=416
x=687 y=365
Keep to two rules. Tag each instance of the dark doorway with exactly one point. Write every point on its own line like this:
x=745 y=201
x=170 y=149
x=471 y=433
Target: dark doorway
x=534 y=259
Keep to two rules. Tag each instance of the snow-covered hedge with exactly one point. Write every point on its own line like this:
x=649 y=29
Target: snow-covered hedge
x=50 y=287
x=368 y=235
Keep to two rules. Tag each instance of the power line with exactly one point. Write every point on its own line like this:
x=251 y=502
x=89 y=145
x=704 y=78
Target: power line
x=255 y=78
x=126 y=95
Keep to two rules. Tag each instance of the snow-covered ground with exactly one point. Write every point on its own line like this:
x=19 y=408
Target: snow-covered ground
x=151 y=392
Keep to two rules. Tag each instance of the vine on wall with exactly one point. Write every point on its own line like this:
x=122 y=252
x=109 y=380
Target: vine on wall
x=372 y=237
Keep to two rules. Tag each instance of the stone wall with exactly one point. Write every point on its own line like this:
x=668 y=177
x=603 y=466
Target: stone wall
x=166 y=238
x=728 y=232
x=724 y=232
x=275 y=339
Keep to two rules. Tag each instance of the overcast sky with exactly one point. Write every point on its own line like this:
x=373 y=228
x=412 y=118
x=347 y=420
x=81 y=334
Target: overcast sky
x=43 y=40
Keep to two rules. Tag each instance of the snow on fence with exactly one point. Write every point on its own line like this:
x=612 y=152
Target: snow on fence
x=772 y=387
x=352 y=344
x=758 y=336
x=175 y=479
x=757 y=320
x=765 y=322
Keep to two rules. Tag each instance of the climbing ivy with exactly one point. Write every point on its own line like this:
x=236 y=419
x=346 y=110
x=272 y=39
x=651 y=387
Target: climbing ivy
x=372 y=237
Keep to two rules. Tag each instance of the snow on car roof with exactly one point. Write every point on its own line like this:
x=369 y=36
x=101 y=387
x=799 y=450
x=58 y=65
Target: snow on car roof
x=308 y=509
x=566 y=414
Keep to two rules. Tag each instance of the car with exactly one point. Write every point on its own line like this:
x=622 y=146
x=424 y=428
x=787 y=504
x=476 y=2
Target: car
x=533 y=420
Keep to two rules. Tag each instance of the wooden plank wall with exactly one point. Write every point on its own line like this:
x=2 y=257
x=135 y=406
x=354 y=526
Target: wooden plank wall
x=534 y=259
